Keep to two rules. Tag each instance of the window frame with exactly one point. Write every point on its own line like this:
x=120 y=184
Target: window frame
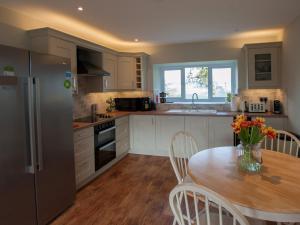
x=211 y=65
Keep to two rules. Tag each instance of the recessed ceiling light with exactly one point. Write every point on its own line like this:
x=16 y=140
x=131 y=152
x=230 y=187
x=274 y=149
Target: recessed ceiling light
x=136 y=40
x=80 y=8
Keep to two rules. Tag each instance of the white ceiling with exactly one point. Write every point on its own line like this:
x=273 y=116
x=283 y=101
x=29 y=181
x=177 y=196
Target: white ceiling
x=164 y=21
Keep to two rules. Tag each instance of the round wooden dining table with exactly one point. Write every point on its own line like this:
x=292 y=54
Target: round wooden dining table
x=273 y=194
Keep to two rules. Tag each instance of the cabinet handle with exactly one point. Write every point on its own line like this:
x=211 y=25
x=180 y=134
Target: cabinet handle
x=106 y=83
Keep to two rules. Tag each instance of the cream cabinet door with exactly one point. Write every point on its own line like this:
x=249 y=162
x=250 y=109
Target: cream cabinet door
x=110 y=64
x=264 y=68
x=142 y=134
x=197 y=126
x=126 y=73
x=84 y=154
x=276 y=123
x=166 y=128
x=220 y=131
x=61 y=47
x=122 y=136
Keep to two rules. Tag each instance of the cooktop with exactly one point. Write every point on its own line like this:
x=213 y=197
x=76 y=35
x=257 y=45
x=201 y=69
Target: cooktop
x=94 y=119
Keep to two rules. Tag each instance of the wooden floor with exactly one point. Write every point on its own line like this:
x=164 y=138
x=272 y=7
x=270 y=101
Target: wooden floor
x=133 y=192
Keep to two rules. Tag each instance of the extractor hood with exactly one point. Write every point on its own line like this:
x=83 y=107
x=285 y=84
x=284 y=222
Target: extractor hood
x=89 y=63
x=89 y=69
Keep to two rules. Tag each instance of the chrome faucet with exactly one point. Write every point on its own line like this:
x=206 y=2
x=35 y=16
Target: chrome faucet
x=193 y=100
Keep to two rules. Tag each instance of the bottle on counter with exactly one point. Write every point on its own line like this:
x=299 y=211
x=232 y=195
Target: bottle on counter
x=235 y=100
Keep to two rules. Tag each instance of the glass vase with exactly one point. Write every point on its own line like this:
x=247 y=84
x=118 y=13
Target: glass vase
x=250 y=158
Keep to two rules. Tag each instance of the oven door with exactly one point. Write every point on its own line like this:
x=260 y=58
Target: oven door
x=105 y=154
x=105 y=136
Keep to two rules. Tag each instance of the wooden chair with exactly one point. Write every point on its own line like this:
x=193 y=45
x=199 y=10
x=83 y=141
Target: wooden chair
x=183 y=146
x=187 y=211
x=284 y=142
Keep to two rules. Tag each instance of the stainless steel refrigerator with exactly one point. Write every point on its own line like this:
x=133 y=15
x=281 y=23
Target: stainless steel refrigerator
x=37 y=178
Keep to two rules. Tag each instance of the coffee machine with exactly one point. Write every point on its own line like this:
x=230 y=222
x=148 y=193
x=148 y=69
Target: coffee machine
x=277 y=108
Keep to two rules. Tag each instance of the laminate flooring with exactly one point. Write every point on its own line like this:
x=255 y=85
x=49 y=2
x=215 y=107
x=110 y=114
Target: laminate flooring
x=135 y=191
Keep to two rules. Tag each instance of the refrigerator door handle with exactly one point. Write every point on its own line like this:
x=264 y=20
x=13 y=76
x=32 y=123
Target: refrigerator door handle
x=32 y=165
x=38 y=125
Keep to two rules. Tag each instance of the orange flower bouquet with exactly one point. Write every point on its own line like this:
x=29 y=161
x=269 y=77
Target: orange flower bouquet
x=251 y=134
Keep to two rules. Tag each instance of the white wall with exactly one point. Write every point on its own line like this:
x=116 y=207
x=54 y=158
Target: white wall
x=291 y=73
x=202 y=51
x=13 y=28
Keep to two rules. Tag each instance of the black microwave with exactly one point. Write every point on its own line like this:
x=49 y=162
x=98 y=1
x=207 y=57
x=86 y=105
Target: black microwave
x=133 y=104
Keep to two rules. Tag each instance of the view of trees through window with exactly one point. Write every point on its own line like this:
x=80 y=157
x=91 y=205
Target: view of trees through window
x=196 y=81
x=211 y=82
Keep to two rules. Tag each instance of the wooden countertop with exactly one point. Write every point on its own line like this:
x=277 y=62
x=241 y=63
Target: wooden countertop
x=118 y=114
x=273 y=194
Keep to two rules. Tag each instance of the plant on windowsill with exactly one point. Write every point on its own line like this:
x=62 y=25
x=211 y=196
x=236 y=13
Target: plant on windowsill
x=228 y=97
x=251 y=134
x=8 y=71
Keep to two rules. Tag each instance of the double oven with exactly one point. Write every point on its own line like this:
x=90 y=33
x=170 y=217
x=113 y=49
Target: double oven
x=105 y=143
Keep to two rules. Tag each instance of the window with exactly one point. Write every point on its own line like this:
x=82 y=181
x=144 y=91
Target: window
x=211 y=81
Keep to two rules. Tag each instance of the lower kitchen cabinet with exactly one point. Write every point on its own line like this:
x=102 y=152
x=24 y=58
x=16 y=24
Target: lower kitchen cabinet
x=197 y=126
x=122 y=136
x=151 y=135
x=142 y=134
x=220 y=131
x=276 y=123
x=166 y=127
x=84 y=154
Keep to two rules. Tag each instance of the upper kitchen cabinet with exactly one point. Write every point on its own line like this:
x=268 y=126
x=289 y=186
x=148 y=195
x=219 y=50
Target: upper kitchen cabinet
x=141 y=71
x=44 y=41
x=47 y=41
x=263 y=65
x=126 y=73
x=132 y=71
x=110 y=64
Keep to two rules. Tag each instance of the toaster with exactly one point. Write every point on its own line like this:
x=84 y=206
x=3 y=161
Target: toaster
x=257 y=107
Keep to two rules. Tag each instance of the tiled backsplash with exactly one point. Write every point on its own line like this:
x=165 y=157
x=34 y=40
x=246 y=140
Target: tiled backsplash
x=249 y=95
x=83 y=102
x=252 y=95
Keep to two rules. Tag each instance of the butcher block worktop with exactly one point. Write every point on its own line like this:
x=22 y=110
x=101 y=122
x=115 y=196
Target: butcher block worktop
x=177 y=112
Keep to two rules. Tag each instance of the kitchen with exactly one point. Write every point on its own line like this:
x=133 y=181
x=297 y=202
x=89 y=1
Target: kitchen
x=107 y=118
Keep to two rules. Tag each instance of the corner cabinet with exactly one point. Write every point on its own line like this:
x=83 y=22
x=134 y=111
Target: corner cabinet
x=263 y=65
x=122 y=136
x=126 y=73
x=132 y=71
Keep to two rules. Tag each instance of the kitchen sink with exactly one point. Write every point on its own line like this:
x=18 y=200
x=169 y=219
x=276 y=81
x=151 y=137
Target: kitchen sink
x=193 y=111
